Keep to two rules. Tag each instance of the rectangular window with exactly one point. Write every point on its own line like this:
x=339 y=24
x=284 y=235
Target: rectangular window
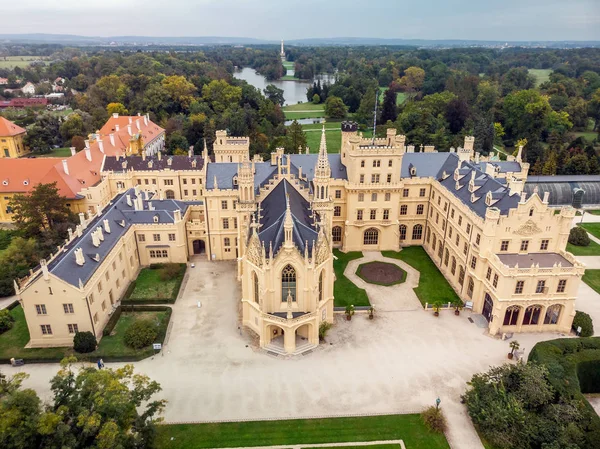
x=488 y=274
x=73 y=328
x=359 y=214
x=141 y=238
x=477 y=239
x=227 y=241
x=422 y=192
x=171 y=237
x=234 y=223
x=450 y=233
x=390 y=163
x=225 y=223
x=504 y=245
x=338 y=194
x=373 y=197
x=362 y=164
x=375 y=179
x=103 y=305
x=376 y=163
x=460 y=220
x=468 y=228
x=195 y=192
x=96 y=318
x=91 y=298
x=156 y=237
x=452 y=213
x=168 y=182
x=540 y=287
x=524 y=245
x=465 y=248
x=562 y=285
x=46 y=329
x=337 y=211
x=361 y=197
x=404 y=193
x=100 y=286
x=184 y=181
x=107 y=276
x=389 y=178
x=193 y=180
x=473 y=262
x=68 y=308
x=403 y=209
x=495 y=283
x=388 y=196
x=519 y=287
x=224 y=204
x=386 y=214
x=457 y=240
x=544 y=245
x=362 y=179
x=40 y=309
x=373 y=214
x=185 y=193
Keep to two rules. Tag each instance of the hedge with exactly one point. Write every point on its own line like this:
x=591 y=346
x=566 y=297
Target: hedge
x=112 y=322
x=574 y=369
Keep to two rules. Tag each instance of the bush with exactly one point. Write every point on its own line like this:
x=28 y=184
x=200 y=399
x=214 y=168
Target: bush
x=579 y=237
x=140 y=334
x=6 y=320
x=584 y=321
x=169 y=271
x=323 y=329
x=84 y=342
x=434 y=419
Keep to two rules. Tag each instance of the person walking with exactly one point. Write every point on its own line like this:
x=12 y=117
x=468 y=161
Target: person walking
x=99 y=363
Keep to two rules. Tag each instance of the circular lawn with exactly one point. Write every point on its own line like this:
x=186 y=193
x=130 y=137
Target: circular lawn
x=381 y=273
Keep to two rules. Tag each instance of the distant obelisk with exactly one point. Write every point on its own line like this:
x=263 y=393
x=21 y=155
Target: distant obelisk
x=282 y=54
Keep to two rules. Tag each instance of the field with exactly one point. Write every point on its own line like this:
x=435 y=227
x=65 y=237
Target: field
x=400 y=96
x=541 y=75
x=333 y=134
x=289 y=67
x=57 y=152
x=304 y=110
x=10 y=62
x=301 y=432
x=345 y=292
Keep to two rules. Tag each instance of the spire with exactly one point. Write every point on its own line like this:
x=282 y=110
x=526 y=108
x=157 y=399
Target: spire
x=288 y=224
x=323 y=169
x=205 y=152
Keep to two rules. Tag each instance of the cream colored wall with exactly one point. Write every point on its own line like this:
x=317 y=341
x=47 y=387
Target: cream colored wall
x=215 y=215
x=230 y=149
x=14 y=145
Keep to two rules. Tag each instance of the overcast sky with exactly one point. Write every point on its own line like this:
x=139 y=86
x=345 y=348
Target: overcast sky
x=295 y=19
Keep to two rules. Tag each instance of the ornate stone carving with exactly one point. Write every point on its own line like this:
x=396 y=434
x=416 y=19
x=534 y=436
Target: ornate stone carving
x=253 y=253
x=528 y=228
x=323 y=250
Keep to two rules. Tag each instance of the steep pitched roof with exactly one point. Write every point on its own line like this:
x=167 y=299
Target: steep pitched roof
x=273 y=211
x=152 y=163
x=147 y=129
x=9 y=129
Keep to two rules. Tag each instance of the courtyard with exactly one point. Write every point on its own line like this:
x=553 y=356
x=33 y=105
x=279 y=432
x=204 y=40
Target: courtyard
x=211 y=369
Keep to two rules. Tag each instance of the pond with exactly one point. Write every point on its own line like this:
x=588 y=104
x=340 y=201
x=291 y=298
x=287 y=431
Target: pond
x=305 y=121
x=293 y=91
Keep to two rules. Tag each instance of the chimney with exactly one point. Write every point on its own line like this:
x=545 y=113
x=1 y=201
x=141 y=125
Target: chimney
x=130 y=120
x=116 y=115
x=70 y=231
x=79 y=259
x=146 y=120
x=73 y=151
x=523 y=196
x=191 y=152
x=44 y=269
x=129 y=130
x=87 y=143
x=95 y=239
x=177 y=215
x=65 y=166
x=88 y=154
x=106 y=226
x=137 y=124
x=101 y=145
x=111 y=136
x=117 y=127
x=150 y=206
x=128 y=196
x=78 y=230
x=138 y=204
x=159 y=155
x=143 y=155
x=546 y=197
x=99 y=233
x=169 y=161
x=82 y=219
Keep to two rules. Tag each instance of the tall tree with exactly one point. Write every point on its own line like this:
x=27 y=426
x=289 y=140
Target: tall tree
x=275 y=94
x=389 y=111
x=295 y=138
x=335 y=107
x=413 y=79
x=20 y=411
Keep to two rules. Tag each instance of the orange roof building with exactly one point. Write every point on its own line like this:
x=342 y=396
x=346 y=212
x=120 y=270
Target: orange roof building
x=11 y=139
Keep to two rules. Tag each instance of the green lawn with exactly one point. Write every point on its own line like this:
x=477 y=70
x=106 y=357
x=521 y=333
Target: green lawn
x=333 y=137
x=401 y=97
x=10 y=62
x=432 y=284
x=150 y=286
x=58 y=152
x=593 y=211
x=541 y=75
x=592 y=278
x=592 y=228
x=372 y=446
x=593 y=249
x=408 y=428
x=345 y=291
x=294 y=111
x=13 y=341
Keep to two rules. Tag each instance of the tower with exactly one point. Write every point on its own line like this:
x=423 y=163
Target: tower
x=245 y=180
x=322 y=203
x=282 y=53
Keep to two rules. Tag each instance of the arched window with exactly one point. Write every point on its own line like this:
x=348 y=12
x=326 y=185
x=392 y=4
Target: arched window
x=402 y=232
x=470 y=287
x=256 y=294
x=453 y=265
x=170 y=195
x=420 y=209
x=552 y=314
x=322 y=192
x=321 y=286
x=336 y=233
x=288 y=283
x=434 y=242
x=417 y=232
x=371 y=237
x=511 y=316
x=428 y=235
x=446 y=257
x=532 y=315
x=461 y=275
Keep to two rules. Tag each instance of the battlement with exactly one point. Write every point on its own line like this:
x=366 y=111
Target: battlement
x=231 y=149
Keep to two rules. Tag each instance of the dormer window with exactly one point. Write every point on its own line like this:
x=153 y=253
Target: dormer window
x=235 y=181
x=155 y=218
x=413 y=171
x=5 y=182
x=26 y=182
x=531 y=212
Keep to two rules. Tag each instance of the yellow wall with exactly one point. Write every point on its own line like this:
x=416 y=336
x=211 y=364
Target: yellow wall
x=12 y=146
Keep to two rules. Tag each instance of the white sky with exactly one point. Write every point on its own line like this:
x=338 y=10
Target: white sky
x=295 y=19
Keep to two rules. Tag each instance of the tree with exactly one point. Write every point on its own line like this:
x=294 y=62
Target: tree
x=116 y=108
x=364 y=114
x=550 y=165
x=526 y=114
x=517 y=78
x=413 y=79
x=389 y=111
x=457 y=113
x=296 y=138
x=78 y=142
x=20 y=411
x=180 y=90
x=335 y=107
x=579 y=237
x=42 y=210
x=15 y=262
x=177 y=141
x=84 y=342
x=219 y=94
x=72 y=126
x=100 y=408
x=43 y=134
x=316 y=99
x=274 y=94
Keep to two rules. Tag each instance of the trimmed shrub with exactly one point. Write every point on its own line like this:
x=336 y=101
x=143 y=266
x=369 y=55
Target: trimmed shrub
x=434 y=419
x=579 y=237
x=140 y=334
x=6 y=320
x=84 y=342
x=584 y=321
x=112 y=322
x=169 y=271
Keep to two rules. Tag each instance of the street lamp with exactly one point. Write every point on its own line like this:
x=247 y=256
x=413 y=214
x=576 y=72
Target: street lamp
x=437 y=403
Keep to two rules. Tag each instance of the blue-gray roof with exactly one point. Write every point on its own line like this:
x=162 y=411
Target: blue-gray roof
x=273 y=211
x=120 y=218
x=308 y=162
x=428 y=165
x=504 y=166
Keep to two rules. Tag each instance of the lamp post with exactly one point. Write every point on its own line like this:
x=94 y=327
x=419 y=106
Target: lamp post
x=437 y=403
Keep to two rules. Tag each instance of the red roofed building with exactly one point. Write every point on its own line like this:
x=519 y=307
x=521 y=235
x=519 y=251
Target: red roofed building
x=11 y=139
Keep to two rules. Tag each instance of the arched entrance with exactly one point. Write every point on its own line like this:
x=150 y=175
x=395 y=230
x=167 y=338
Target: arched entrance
x=199 y=247
x=488 y=305
x=170 y=195
x=274 y=337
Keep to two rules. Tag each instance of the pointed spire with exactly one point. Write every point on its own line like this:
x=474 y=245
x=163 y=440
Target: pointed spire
x=205 y=152
x=322 y=169
x=288 y=224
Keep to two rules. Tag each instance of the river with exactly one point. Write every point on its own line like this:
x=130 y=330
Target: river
x=293 y=91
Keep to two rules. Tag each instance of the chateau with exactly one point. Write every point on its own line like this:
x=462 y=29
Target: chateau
x=502 y=251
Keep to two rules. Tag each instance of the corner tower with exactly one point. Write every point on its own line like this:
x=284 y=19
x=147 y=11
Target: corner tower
x=322 y=203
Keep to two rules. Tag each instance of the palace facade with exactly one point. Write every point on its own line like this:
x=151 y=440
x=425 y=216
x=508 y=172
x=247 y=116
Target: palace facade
x=503 y=252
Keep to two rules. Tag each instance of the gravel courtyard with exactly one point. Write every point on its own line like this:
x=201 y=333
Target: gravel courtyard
x=399 y=362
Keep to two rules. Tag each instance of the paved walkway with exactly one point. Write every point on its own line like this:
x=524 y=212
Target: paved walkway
x=5 y=302
x=400 y=444
x=400 y=362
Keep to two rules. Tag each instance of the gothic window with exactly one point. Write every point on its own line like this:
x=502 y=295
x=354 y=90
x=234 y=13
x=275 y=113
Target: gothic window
x=256 y=288
x=321 y=286
x=288 y=283
x=470 y=287
x=453 y=266
x=511 y=316
x=417 y=233
x=446 y=257
x=336 y=232
x=402 y=232
x=371 y=236
x=552 y=314
x=532 y=315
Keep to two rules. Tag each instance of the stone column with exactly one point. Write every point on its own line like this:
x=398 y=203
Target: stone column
x=289 y=341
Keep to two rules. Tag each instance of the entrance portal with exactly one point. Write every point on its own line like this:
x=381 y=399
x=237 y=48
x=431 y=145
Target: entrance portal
x=199 y=247
x=488 y=305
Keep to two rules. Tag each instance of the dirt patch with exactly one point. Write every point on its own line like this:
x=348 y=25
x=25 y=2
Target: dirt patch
x=381 y=273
